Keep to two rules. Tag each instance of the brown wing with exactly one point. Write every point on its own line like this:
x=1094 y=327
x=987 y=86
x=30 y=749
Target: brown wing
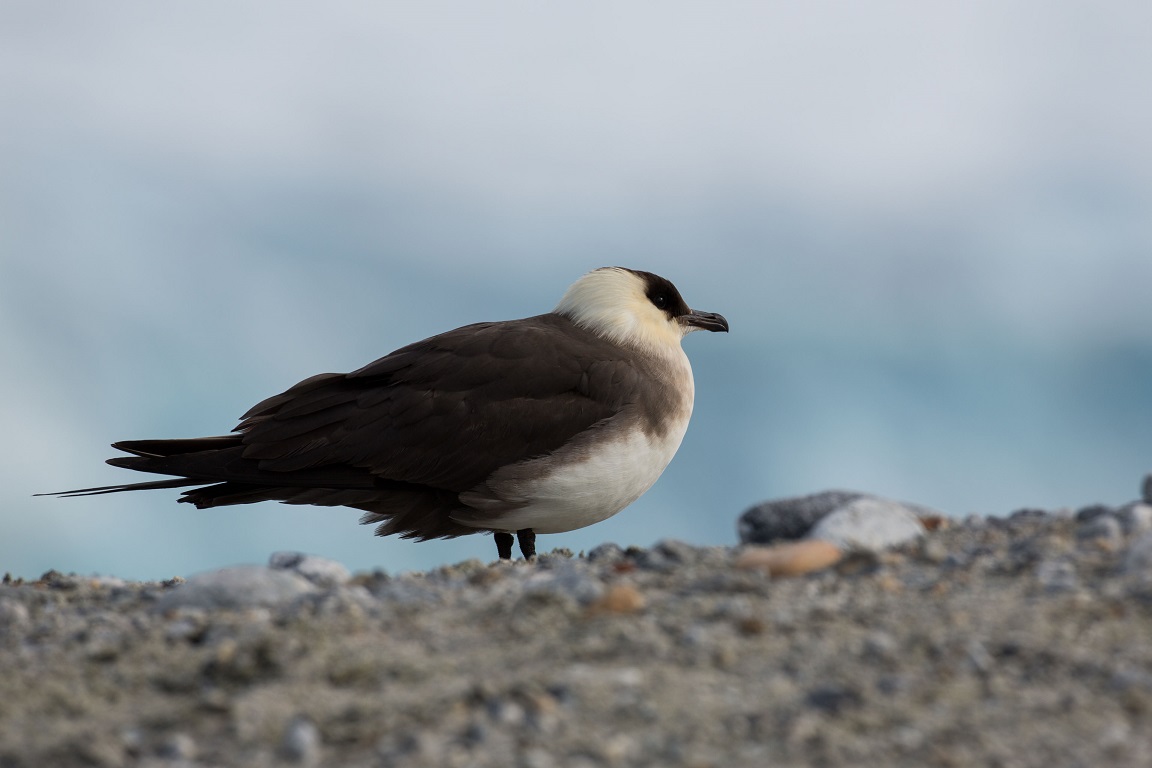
x=447 y=411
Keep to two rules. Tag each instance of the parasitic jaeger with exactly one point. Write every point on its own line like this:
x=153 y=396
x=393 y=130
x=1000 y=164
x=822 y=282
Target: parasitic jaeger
x=540 y=425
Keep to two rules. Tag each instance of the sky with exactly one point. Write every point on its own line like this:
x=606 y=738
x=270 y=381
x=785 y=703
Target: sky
x=927 y=224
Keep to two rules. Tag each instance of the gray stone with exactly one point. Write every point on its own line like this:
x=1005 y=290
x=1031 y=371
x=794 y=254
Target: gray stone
x=790 y=518
x=178 y=746
x=1146 y=489
x=13 y=615
x=570 y=581
x=1102 y=528
x=608 y=553
x=1057 y=575
x=869 y=524
x=794 y=518
x=244 y=586
x=318 y=570
x=1138 y=560
x=1091 y=512
x=666 y=555
x=301 y=742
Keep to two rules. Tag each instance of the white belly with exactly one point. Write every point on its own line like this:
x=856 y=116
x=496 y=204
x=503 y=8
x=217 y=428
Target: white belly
x=603 y=471
x=578 y=493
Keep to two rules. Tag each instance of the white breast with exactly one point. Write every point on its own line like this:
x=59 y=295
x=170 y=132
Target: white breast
x=601 y=474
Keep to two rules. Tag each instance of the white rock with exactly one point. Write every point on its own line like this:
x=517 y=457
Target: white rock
x=869 y=524
x=319 y=570
x=1135 y=518
x=244 y=586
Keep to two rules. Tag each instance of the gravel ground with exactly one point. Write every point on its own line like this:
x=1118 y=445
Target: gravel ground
x=1018 y=641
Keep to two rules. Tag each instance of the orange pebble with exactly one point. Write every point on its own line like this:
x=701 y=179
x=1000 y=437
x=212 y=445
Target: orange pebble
x=619 y=599
x=791 y=559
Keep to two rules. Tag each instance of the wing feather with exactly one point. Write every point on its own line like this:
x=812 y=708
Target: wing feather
x=448 y=411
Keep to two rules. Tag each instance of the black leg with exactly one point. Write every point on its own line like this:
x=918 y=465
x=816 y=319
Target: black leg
x=503 y=544
x=527 y=539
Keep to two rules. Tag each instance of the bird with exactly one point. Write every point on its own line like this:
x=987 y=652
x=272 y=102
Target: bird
x=540 y=425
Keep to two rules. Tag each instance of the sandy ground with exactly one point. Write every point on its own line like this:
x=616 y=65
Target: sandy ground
x=992 y=642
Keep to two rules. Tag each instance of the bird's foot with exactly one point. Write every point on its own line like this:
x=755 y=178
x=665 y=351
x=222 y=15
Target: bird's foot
x=503 y=544
x=527 y=539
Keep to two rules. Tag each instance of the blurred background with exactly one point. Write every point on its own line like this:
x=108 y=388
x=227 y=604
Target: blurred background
x=929 y=226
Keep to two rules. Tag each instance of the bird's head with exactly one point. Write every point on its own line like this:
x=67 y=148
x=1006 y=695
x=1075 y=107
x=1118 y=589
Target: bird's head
x=633 y=307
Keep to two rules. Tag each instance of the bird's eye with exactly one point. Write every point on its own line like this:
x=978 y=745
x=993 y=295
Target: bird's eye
x=660 y=300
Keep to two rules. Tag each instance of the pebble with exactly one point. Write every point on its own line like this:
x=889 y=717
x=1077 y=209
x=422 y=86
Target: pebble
x=244 y=586
x=872 y=522
x=1103 y=530
x=607 y=553
x=1135 y=518
x=869 y=524
x=1138 y=559
x=13 y=615
x=178 y=746
x=320 y=571
x=833 y=698
x=619 y=599
x=1057 y=575
x=566 y=579
x=1091 y=512
x=790 y=559
x=791 y=518
x=666 y=555
x=301 y=742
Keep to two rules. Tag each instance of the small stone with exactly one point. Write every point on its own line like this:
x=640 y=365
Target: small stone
x=935 y=522
x=1135 y=518
x=246 y=586
x=667 y=555
x=794 y=518
x=1091 y=512
x=1103 y=530
x=188 y=625
x=676 y=550
x=178 y=746
x=881 y=646
x=318 y=570
x=869 y=525
x=106 y=582
x=833 y=699
x=13 y=615
x=791 y=518
x=608 y=553
x=1057 y=576
x=301 y=742
x=1138 y=560
x=104 y=644
x=1028 y=513
x=535 y=757
x=791 y=559
x=568 y=579
x=619 y=599
x=932 y=551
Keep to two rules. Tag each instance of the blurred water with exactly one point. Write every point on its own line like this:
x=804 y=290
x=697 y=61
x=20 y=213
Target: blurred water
x=928 y=227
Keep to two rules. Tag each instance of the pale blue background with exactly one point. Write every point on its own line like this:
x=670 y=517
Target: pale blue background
x=929 y=224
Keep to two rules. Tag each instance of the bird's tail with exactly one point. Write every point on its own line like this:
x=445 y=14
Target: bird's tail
x=196 y=461
x=178 y=482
